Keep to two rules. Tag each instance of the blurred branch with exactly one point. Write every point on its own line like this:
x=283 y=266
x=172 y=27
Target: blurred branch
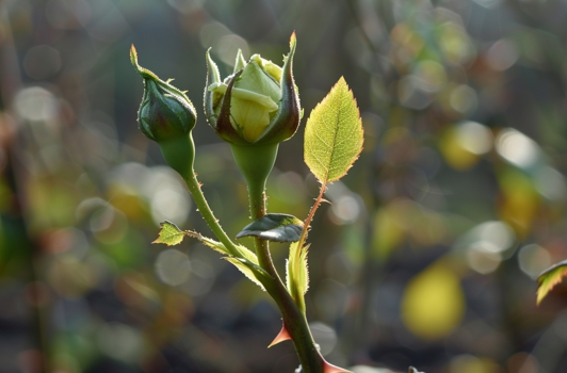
x=10 y=83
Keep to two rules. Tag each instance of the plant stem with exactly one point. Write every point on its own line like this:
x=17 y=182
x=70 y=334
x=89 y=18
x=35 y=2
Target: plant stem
x=207 y=213
x=314 y=208
x=294 y=320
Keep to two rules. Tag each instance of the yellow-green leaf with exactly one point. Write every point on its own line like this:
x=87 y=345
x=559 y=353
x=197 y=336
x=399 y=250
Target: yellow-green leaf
x=297 y=273
x=549 y=278
x=333 y=134
x=169 y=234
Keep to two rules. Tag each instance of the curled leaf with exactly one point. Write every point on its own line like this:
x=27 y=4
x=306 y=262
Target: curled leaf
x=549 y=278
x=298 y=273
x=274 y=227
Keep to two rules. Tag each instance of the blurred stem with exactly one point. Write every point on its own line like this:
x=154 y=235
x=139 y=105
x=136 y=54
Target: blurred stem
x=294 y=319
x=14 y=218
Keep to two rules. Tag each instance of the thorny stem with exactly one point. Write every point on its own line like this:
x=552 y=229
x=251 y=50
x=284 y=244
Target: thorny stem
x=309 y=218
x=294 y=319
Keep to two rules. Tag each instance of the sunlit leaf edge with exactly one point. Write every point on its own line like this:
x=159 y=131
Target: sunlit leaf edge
x=549 y=278
x=297 y=276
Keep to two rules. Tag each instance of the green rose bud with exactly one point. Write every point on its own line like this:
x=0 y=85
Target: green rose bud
x=257 y=104
x=167 y=117
x=254 y=109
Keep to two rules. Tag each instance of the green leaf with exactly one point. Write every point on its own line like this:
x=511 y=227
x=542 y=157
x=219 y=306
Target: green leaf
x=274 y=227
x=297 y=273
x=251 y=270
x=549 y=278
x=333 y=134
x=170 y=234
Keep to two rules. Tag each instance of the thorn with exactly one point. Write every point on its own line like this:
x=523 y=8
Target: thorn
x=330 y=368
x=170 y=80
x=283 y=335
x=323 y=200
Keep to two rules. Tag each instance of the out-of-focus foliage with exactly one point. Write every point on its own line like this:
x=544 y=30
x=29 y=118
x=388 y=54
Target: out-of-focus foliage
x=549 y=278
x=427 y=255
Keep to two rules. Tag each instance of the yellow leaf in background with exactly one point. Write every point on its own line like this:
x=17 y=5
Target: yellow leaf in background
x=454 y=153
x=464 y=143
x=520 y=201
x=433 y=303
x=387 y=234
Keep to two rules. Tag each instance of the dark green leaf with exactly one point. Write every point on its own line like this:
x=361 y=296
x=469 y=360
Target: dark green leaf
x=274 y=227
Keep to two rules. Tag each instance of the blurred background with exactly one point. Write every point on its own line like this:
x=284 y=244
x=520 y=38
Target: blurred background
x=427 y=255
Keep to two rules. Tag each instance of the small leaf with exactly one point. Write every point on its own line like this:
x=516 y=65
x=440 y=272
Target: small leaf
x=549 y=278
x=274 y=227
x=170 y=234
x=251 y=270
x=333 y=134
x=298 y=273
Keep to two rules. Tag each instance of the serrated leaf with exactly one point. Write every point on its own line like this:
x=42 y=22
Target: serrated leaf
x=274 y=227
x=298 y=273
x=215 y=245
x=549 y=278
x=333 y=134
x=170 y=234
x=251 y=270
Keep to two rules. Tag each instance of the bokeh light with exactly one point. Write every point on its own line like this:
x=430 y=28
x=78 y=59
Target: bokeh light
x=427 y=253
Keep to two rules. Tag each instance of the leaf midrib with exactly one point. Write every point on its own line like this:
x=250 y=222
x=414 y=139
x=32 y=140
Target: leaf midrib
x=328 y=168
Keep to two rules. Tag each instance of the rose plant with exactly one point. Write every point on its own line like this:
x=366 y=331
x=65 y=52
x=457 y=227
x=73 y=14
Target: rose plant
x=254 y=109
